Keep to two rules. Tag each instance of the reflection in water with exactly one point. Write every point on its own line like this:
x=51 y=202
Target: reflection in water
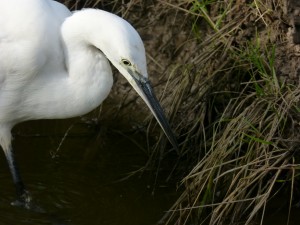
x=82 y=184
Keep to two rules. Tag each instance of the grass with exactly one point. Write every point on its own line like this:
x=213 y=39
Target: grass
x=245 y=125
x=235 y=112
x=248 y=154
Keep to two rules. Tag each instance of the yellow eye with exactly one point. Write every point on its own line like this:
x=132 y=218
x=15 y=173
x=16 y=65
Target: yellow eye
x=126 y=62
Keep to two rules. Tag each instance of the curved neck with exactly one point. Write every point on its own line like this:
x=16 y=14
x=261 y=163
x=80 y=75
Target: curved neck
x=78 y=86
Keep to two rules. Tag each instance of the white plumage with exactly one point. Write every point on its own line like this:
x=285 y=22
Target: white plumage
x=55 y=64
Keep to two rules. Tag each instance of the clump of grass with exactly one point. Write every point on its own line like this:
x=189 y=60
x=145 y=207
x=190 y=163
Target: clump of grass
x=245 y=122
x=249 y=153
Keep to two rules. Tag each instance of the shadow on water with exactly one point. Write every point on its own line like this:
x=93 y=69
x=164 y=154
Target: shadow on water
x=81 y=185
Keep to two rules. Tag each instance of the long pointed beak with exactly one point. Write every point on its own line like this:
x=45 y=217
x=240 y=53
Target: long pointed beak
x=144 y=89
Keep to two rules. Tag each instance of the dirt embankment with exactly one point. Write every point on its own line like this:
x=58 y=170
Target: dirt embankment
x=227 y=73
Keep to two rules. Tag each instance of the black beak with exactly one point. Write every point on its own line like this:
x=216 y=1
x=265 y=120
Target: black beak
x=146 y=92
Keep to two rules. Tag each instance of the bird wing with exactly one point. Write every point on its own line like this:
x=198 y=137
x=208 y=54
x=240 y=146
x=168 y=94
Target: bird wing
x=30 y=44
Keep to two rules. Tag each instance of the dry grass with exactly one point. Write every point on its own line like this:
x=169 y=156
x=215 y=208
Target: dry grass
x=229 y=94
x=245 y=116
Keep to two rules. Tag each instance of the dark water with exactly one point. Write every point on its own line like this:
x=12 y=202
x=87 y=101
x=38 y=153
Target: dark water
x=82 y=184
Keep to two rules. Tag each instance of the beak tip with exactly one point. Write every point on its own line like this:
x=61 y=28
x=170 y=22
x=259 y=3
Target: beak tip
x=144 y=88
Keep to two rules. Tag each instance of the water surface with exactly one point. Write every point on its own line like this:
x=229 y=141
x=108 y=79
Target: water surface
x=83 y=183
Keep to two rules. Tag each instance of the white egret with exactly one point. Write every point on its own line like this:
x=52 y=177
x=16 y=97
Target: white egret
x=55 y=64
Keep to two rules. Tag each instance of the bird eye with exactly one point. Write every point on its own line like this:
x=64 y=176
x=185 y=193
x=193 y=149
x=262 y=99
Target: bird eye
x=126 y=62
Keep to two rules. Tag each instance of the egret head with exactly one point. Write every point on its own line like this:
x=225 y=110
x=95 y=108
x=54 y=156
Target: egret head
x=124 y=48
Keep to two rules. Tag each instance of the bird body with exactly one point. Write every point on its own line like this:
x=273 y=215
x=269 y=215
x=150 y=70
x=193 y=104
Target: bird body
x=55 y=64
x=39 y=76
